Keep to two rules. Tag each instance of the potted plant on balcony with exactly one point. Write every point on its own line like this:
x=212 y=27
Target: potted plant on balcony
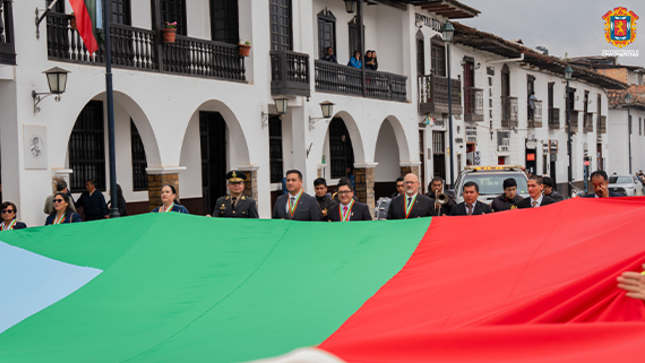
x=72 y=21
x=245 y=48
x=169 y=32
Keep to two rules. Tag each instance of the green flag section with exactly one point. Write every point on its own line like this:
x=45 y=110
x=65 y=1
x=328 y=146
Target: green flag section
x=89 y=22
x=181 y=288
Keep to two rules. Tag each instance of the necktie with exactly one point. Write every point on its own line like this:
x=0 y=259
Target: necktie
x=233 y=202
x=534 y=203
x=293 y=201
x=344 y=210
x=409 y=202
x=470 y=209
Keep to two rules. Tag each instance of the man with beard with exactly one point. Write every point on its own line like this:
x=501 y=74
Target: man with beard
x=411 y=204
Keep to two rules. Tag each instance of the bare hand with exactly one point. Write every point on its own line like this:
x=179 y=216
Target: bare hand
x=633 y=283
x=324 y=212
x=208 y=215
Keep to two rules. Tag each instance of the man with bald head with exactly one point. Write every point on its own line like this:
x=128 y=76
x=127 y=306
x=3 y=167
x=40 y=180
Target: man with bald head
x=411 y=204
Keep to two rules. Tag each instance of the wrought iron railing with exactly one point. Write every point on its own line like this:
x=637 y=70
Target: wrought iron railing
x=473 y=104
x=290 y=73
x=509 y=112
x=554 y=118
x=534 y=114
x=574 y=120
x=7 y=37
x=588 y=123
x=602 y=124
x=335 y=78
x=434 y=89
x=137 y=48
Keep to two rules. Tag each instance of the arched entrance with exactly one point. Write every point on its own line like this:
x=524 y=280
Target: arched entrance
x=391 y=149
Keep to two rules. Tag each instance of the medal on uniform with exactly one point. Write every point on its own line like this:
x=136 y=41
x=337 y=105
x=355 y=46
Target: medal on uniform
x=408 y=209
x=167 y=210
x=292 y=208
x=344 y=217
x=3 y=228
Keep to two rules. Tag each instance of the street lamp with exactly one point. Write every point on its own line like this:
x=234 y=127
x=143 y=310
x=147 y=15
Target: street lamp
x=327 y=109
x=568 y=72
x=57 y=81
x=447 y=30
x=628 y=101
x=281 y=104
x=350 y=6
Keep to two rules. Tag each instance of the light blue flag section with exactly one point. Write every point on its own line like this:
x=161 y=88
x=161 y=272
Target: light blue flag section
x=30 y=282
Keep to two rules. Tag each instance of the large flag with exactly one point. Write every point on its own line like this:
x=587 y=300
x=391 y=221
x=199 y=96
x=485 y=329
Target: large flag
x=533 y=285
x=89 y=22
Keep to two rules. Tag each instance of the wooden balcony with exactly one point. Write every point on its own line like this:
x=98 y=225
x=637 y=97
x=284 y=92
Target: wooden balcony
x=574 y=120
x=7 y=37
x=554 y=118
x=290 y=73
x=473 y=104
x=335 y=78
x=143 y=49
x=433 y=95
x=509 y=112
x=602 y=125
x=588 y=123
x=534 y=114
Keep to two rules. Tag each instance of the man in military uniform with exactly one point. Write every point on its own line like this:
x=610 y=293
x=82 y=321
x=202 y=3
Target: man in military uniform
x=236 y=204
x=509 y=199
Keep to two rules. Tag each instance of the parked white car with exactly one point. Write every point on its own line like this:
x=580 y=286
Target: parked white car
x=625 y=184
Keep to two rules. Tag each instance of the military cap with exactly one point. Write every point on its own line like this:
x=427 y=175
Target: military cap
x=235 y=176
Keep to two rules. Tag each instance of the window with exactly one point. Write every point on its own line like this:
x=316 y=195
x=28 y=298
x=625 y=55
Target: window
x=174 y=10
x=139 y=163
x=421 y=54
x=340 y=148
x=224 y=21
x=280 y=13
x=58 y=8
x=275 y=149
x=640 y=126
x=121 y=12
x=86 y=148
x=326 y=32
x=438 y=143
x=354 y=37
x=438 y=56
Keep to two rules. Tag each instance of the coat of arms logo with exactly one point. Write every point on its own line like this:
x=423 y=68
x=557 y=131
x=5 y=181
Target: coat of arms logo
x=620 y=26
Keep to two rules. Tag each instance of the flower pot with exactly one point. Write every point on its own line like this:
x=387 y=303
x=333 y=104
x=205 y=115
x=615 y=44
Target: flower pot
x=72 y=22
x=244 y=50
x=169 y=35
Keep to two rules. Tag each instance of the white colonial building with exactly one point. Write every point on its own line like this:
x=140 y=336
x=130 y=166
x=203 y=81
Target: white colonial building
x=188 y=111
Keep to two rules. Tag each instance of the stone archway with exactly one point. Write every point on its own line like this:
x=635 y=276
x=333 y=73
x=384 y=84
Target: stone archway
x=392 y=156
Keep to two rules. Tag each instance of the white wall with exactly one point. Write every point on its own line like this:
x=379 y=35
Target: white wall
x=387 y=155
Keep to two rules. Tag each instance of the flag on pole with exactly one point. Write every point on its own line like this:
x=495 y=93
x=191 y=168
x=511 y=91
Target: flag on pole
x=89 y=22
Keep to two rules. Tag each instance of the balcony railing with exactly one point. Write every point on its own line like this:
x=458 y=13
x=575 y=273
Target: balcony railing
x=509 y=112
x=602 y=124
x=588 y=123
x=141 y=49
x=335 y=78
x=574 y=120
x=473 y=104
x=7 y=38
x=290 y=73
x=433 y=95
x=535 y=114
x=554 y=118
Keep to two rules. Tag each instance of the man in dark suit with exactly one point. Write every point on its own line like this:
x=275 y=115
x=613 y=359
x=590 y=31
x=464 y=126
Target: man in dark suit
x=236 y=204
x=411 y=204
x=296 y=204
x=600 y=183
x=348 y=209
x=536 y=199
x=470 y=206
x=436 y=186
x=400 y=189
x=549 y=191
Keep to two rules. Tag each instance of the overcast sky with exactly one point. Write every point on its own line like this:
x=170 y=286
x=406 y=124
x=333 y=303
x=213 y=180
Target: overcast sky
x=562 y=26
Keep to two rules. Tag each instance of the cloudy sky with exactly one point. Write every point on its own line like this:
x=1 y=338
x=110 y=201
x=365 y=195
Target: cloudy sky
x=574 y=27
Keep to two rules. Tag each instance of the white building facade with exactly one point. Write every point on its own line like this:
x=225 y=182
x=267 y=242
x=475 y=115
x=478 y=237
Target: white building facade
x=187 y=112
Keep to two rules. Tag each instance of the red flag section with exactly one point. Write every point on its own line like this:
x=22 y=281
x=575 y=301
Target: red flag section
x=534 y=285
x=84 y=23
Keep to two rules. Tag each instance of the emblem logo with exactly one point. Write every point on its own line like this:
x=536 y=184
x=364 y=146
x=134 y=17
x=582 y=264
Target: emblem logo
x=620 y=26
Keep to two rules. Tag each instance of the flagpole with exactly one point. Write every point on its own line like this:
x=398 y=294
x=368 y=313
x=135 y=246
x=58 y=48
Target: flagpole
x=114 y=207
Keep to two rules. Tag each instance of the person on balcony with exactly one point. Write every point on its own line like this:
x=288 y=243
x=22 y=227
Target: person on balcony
x=330 y=57
x=531 y=109
x=355 y=60
x=370 y=60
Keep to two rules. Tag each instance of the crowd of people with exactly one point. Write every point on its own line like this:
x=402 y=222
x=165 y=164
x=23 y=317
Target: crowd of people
x=371 y=62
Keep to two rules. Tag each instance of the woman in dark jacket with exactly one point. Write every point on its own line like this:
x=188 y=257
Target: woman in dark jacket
x=62 y=212
x=9 y=220
x=123 y=211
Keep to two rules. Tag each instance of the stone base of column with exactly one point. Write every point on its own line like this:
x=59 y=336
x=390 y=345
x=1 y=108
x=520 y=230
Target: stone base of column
x=364 y=178
x=414 y=169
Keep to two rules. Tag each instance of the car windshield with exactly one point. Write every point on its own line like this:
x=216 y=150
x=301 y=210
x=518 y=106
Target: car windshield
x=620 y=179
x=493 y=183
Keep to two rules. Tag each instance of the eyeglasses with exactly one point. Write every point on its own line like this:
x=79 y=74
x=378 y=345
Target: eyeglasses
x=7 y=211
x=344 y=192
x=58 y=200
